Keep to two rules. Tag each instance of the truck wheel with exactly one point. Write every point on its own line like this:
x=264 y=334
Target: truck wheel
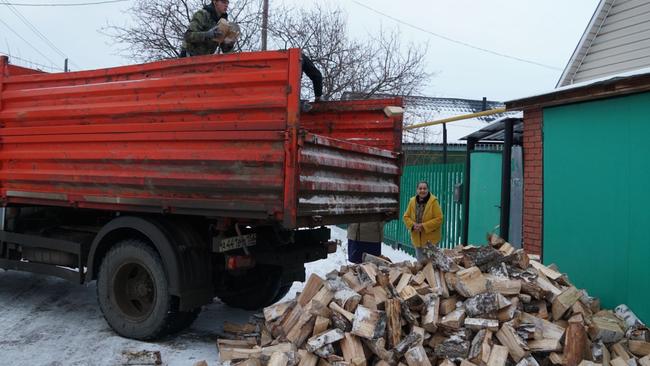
x=132 y=291
x=255 y=290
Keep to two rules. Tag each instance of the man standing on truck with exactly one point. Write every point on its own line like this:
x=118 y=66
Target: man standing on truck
x=209 y=29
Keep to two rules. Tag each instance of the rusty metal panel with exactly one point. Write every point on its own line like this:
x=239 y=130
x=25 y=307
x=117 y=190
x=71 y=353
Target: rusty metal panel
x=202 y=135
x=345 y=182
x=357 y=121
x=213 y=135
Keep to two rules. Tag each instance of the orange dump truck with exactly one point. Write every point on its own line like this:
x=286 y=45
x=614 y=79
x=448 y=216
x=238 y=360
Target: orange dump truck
x=170 y=183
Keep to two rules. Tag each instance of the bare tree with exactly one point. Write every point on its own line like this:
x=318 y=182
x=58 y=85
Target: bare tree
x=375 y=65
x=381 y=64
x=157 y=27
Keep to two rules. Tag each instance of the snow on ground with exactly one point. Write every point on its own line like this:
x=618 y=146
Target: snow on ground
x=53 y=322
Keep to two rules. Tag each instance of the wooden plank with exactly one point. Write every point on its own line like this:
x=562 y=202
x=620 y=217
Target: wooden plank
x=448 y=305
x=503 y=286
x=498 y=356
x=551 y=274
x=480 y=347
x=606 y=328
x=227 y=354
x=431 y=313
x=307 y=358
x=323 y=339
x=565 y=301
x=639 y=348
x=278 y=310
x=368 y=274
x=278 y=359
x=234 y=328
x=321 y=325
x=479 y=323
x=466 y=363
x=291 y=319
x=302 y=329
x=411 y=296
x=485 y=303
x=470 y=282
x=313 y=285
x=369 y=301
x=575 y=342
x=236 y=343
x=508 y=313
x=454 y=320
x=351 y=279
x=545 y=345
x=549 y=330
x=324 y=295
x=416 y=356
x=394 y=322
x=509 y=338
x=618 y=362
x=619 y=351
x=368 y=324
x=404 y=280
x=336 y=307
x=352 y=349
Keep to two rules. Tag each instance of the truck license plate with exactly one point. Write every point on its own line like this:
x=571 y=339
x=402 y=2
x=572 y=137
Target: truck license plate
x=236 y=242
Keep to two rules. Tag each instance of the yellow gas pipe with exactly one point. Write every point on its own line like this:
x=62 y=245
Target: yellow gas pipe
x=457 y=118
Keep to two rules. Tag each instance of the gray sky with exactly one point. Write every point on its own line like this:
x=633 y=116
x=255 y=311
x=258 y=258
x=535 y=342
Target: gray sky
x=544 y=31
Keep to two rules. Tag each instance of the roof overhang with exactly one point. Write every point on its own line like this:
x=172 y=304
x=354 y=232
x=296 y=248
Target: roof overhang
x=495 y=131
x=625 y=83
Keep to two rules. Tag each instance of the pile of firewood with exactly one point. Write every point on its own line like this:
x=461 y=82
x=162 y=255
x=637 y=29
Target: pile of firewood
x=491 y=305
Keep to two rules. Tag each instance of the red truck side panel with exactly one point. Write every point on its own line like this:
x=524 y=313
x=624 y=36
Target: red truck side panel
x=358 y=121
x=341 y=182
x=202 y=135
x=213 y=135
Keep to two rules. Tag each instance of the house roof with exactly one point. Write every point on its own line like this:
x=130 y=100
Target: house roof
x=420 y=109
x=617 y=39
x=624 y=83
x=590 y=33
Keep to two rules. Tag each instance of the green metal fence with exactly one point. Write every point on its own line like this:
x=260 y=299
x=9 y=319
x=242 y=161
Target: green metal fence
x=442 y=179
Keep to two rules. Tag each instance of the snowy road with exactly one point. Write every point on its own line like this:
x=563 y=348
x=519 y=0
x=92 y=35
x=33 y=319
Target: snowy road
x=49 y=321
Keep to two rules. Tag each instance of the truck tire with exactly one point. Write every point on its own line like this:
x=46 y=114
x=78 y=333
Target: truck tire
x=258 y=288
x=133 y=293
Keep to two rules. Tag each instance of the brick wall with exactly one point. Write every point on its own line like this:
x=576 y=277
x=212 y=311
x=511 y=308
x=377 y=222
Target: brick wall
x=533 y=181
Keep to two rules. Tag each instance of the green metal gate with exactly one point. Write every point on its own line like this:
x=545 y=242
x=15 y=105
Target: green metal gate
x=484 y=195
x=596 y=197
x=442 y=180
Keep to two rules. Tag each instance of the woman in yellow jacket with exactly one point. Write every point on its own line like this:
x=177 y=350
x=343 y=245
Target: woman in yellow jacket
x=423 y=218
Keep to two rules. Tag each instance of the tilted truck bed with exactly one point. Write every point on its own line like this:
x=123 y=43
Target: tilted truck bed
x=217 y=136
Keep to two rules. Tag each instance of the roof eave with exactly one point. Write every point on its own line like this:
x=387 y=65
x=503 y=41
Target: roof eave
x=599 y=90
x=586 y=40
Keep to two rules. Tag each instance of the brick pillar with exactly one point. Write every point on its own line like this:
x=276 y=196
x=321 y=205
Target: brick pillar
x=533 y=181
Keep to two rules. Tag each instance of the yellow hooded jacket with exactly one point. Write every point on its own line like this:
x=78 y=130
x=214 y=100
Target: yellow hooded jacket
x=431 y=221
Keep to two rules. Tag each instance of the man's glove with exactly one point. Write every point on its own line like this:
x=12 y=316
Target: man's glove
x=213 y=33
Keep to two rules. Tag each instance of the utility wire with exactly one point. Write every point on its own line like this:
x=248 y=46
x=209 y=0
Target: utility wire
x=29 y=61
x=36 y=31
x=26 y=42
x=68 y=4
x=455 y=40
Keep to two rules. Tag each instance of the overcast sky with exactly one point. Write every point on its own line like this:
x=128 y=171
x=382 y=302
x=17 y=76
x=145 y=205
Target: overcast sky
x=542 y=31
